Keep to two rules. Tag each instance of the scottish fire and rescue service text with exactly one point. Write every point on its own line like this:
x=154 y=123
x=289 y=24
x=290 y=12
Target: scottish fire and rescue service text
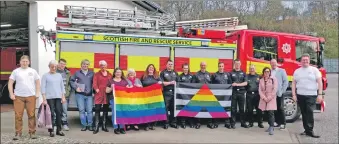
x=147 y=40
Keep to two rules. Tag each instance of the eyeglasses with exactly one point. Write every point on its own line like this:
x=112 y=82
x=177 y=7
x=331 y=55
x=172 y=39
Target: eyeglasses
x=267 y=71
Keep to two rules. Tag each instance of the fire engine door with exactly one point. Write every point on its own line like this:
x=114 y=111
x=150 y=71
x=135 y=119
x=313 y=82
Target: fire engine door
x=194 y=56
x=139 y=57
x=75 y=52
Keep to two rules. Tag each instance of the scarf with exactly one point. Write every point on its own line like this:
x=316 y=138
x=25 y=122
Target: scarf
x=132 y=80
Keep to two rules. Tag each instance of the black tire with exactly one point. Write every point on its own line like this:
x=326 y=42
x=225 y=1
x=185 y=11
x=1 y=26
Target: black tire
x=292 y=110
x=1 y=86
x=4 y=94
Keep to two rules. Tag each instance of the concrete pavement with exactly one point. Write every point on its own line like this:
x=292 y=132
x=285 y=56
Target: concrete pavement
x=188 y=135
x=326 y=123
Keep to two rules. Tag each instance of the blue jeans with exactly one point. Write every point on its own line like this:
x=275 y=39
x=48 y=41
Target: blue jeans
x=64 y=112
x=115 y=126
x=85 y=104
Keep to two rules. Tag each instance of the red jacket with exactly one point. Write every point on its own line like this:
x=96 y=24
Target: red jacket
x=99 y=82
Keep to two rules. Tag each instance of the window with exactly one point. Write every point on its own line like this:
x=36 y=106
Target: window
x=265 y=48
x=302 y=47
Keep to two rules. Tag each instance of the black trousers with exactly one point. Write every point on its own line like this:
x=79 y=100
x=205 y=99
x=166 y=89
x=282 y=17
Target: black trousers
x=212 y=121
x=56 y=109
x=101 y=107
x=238 y=98
x=169 y=102
x=280 y=112
x=252 y=102
x=270 y=115
x=307 y=105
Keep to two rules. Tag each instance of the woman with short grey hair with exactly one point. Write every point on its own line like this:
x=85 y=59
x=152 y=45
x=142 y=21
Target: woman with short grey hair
x=101 y=100
x=133 y=81
x=53 y=93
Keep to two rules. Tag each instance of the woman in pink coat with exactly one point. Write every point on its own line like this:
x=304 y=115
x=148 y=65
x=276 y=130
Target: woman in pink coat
x=267 y=91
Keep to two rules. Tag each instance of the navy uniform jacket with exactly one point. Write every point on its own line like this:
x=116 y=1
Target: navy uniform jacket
x=168 y=76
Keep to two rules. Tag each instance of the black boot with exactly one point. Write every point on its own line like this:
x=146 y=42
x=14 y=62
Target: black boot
x=174 y=125
x=60 y=133
x=51 y=134
x=166 y=126
x=197 y=126
x=244 y=125
x=210 y=125
x=104 y=122
x=96 y=124
x=250 y=124
x=260 y=125
x=183 y=125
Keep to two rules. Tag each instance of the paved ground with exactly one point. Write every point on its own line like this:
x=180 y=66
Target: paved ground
x=326 y=124
x=203 y=135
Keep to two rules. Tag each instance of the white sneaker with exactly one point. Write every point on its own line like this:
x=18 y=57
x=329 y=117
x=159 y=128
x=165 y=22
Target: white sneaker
x=282 y=127
x=65 y=128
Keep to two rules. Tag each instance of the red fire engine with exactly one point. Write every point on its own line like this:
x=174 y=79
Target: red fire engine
x=252 y=46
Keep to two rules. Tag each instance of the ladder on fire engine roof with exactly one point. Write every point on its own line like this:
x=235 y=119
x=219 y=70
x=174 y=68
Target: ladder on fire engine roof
x=227 y=24
x=14 y=37
x=91 y=19
x=79 y=18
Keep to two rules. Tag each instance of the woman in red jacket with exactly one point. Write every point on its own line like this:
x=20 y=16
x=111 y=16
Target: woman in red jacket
x=100 y=81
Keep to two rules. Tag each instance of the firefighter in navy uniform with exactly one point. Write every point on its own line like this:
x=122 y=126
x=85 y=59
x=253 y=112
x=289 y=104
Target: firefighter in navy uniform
x=252 y=97
x=201 y=76
x=169 y=77
x=220 y=77
x=239 y=82
x=185 y=77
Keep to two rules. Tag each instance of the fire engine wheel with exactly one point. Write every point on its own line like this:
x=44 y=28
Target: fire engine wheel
x=1 y=90
x=292 y=110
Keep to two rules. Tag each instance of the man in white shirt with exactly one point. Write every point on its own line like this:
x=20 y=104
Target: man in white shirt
x=25 y=94
x=306 y=89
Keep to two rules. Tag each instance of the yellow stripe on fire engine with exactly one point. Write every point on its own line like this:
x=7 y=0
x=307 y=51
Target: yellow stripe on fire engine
x=74 y=58
x=145 y=40
x=224 y=45
x=117 y=53
x=5 y=72
x=210 y=67
x=139 y=63
x=260 y=66
x=70 y=36
x=110 y=70
x=57 y=50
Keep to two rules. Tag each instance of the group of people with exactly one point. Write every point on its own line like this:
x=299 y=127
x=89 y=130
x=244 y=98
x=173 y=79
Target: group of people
x=263 y=93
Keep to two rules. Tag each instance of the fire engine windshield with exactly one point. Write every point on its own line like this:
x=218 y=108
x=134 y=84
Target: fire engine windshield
x=309 y=47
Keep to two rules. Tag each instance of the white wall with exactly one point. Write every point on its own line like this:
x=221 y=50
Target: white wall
x=47 y=11
x=44 y=13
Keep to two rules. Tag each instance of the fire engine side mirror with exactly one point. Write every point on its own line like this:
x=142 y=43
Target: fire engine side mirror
x=280 y=60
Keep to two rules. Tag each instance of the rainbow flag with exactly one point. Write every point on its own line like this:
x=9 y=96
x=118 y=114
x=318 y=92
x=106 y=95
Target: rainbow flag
x=203 y=100
x=139 y=105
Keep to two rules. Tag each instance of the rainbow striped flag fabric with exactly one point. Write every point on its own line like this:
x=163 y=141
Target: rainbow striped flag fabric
x=139 y=105
x=203 y=100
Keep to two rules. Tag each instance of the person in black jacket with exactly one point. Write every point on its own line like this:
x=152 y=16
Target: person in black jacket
x=201 y=76
x=220 y=77
x=252 y=97
x=239 y=82
x=185 y=77
x=169 y=77
x=149 y=78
